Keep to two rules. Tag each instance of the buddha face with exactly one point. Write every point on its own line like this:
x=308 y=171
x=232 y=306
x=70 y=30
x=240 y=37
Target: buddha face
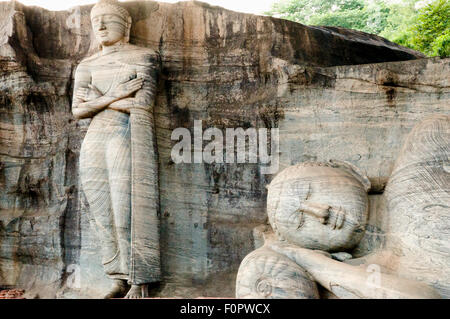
x=318 y=207
x=109 y=28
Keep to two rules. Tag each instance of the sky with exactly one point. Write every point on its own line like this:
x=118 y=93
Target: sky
x=248 y=6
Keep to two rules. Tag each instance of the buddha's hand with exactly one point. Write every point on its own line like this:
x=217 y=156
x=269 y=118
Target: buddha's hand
x=126 y=89
x=325 y=213
x=88 y=94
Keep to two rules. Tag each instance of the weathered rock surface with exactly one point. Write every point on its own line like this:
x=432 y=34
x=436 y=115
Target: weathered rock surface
x=225 y=68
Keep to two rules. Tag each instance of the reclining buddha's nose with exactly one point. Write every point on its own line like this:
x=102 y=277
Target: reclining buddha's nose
x=101 y=24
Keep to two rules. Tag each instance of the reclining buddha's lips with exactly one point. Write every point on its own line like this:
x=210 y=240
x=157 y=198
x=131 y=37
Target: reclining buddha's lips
x=103 y=34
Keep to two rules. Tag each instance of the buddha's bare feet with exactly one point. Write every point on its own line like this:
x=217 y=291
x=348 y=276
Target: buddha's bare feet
x=119 y=289
x=137 y=292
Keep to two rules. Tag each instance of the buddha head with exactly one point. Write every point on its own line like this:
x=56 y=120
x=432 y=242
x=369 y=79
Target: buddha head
x=111 y=23
x=319 y=205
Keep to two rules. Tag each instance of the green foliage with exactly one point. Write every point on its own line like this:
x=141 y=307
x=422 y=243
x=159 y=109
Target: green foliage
x=354 y=14
x=431 y=31
x=317 y=12
x=441 y=46
x=425 y=29
x=398 y=24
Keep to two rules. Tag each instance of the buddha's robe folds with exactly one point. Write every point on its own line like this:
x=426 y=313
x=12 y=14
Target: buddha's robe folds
x=118 y=164
x=418 y=205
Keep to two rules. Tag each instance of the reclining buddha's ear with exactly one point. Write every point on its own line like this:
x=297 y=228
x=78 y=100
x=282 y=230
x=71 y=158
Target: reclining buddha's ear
x=352 y=169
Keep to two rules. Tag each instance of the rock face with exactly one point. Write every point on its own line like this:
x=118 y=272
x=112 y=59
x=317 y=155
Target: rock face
x=225 y=68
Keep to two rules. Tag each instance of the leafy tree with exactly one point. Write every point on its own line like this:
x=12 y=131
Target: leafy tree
x=398 y=24
x=431 y=32
x=426 y=29
x=308 y=11
x=352 y=14
x=441 y=46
